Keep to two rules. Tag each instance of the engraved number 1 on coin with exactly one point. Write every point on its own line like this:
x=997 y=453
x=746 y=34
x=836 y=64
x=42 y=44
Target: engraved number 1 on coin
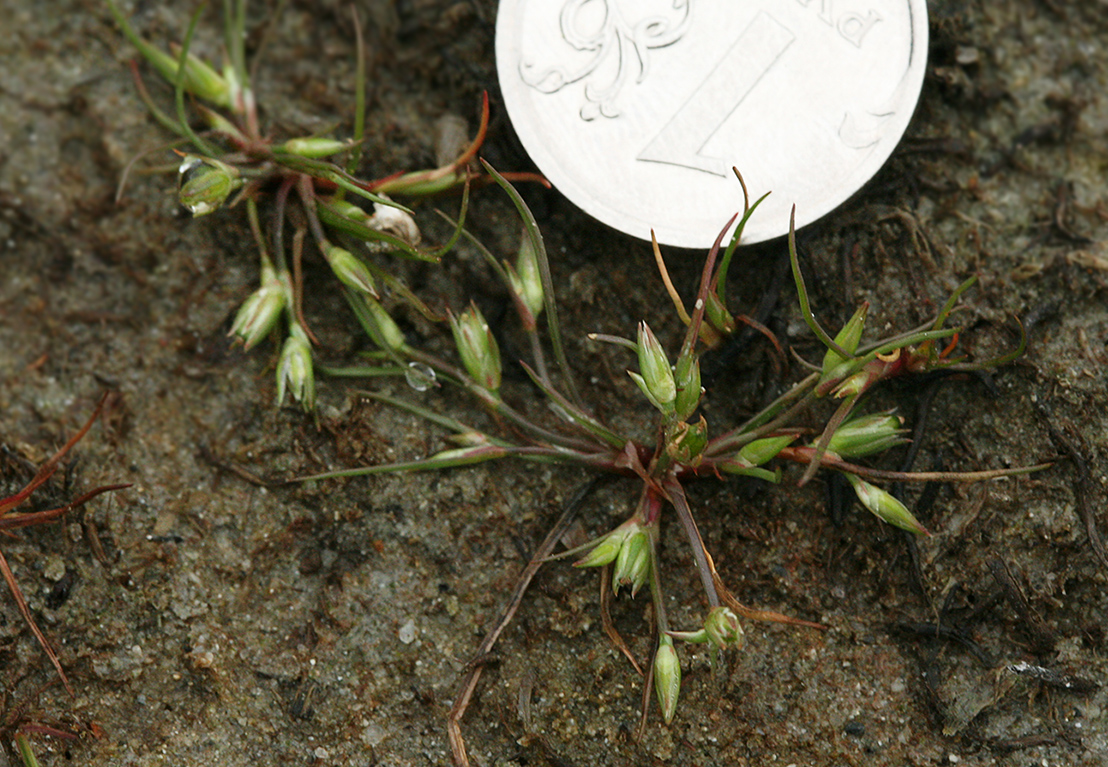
x=683 y=138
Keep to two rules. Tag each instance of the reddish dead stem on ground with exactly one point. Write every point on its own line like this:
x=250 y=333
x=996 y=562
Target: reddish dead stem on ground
x=10 y=519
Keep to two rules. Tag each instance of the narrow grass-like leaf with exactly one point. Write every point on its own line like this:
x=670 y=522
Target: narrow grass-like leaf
x=578 y=416
x=455 y=459
x=951 y=302
x=802 y=295
x=355 y=157
x=720 y=279
x=550 y=309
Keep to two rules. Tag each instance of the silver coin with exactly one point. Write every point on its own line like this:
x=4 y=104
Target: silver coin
x=637 y=110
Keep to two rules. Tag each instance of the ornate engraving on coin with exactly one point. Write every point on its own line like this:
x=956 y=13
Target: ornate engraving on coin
x=628 y=45
x=808 y=98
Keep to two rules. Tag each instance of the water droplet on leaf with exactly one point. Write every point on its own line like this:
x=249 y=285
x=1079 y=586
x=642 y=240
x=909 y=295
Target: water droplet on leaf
x=419 y=376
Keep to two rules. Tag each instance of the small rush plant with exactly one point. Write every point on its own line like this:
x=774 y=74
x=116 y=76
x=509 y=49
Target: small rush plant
x=307 y=184
x=681 y=449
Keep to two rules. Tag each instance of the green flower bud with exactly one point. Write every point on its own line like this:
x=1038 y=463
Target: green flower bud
x=376 y=322
x=471 y=438
x=718 y=316
x=655 y=376
x=313 y=147
x=848 y=338
x=349 y=269
x=260 y=311
x=467 y=456
x=667 y=678
x=688 y=441
x=200 y=79
x=604 y=553
x=632 y=566
x=867 y=435
x=525 y=277
x=477 y=347
x=747 y=461
x=205 y=183
x=762 y=450
x=855 y=384
x=687 y=378
x=722 y=628
x=294 y=369
x=347 y=209
x=885 y=506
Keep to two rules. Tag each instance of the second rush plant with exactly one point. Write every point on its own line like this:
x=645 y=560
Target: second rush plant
x=682 y=448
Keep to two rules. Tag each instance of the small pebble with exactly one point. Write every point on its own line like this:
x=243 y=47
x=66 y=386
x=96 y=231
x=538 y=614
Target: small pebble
x=407 y=633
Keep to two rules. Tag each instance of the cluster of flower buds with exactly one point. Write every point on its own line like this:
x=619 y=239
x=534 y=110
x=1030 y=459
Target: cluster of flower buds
x=842 y=376
x=674 y=390
x=721 y=629
x=630 y=547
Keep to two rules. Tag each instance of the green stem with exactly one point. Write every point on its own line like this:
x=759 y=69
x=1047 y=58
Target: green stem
x=700 y=553
x=759 y=426
x=807 y=455
x=179 y=87
x=26 y=753
x=497 y=405
x=657 y=596
x=579 y=417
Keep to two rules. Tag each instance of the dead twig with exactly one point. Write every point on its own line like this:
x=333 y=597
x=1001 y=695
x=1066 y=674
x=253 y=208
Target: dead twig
x=606 y=618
